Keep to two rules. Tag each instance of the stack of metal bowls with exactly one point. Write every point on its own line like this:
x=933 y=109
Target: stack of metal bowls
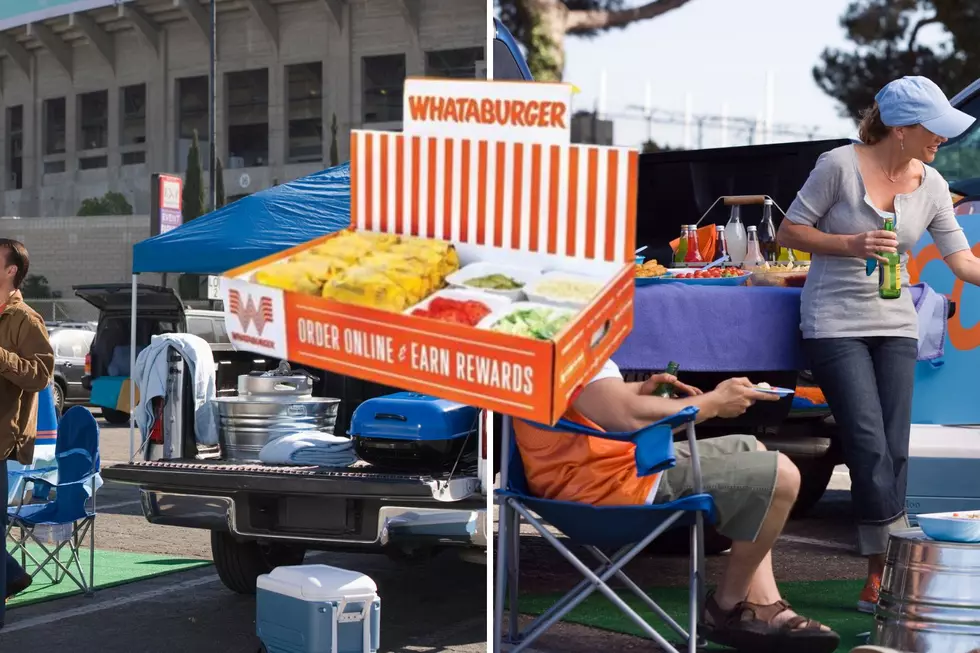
x=267 y=408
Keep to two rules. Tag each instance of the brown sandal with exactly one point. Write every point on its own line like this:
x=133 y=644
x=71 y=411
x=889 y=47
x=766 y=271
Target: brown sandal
x=748 y=627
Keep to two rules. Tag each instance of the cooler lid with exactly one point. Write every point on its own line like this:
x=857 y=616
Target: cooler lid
x=319 y=583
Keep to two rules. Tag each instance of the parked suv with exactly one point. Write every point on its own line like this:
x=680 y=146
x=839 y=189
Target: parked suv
x=159 y=311
x=71 y=342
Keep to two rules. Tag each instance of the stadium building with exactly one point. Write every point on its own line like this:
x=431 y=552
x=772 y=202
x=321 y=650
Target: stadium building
x=99 y=94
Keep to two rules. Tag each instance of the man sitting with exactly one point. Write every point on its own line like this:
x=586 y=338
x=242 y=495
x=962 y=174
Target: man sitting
x=753 y=491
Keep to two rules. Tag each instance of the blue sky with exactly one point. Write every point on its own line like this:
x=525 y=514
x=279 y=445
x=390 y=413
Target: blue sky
x=718 y=51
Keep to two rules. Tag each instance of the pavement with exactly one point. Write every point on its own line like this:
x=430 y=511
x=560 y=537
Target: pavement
x=432 y=607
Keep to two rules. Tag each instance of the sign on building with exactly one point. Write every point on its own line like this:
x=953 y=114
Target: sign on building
x=166 y=193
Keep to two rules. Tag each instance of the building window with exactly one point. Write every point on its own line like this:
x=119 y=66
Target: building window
x=93 y=119
x=53 y=117
x=457 y=64
x=15 y=147
x=192 y=115
x=305 y=84
x=248 y=119
x=133 y=115
x=133 y=158
x=383 y=82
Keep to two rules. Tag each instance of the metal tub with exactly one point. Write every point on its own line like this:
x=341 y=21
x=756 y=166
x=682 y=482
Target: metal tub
x=930 y=596
x=248 y=423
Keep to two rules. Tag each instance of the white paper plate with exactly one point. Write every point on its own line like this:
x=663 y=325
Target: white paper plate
x=533 y=295
x=493 y=302
x=493 y=318
x=526 y=276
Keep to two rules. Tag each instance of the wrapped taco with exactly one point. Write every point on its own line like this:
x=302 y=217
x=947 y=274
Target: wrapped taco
x=363 y=286
x=292 y=276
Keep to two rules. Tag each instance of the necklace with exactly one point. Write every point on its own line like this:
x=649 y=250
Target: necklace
x=894 y=180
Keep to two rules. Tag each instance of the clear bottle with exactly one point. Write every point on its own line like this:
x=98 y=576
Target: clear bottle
x=681 y=252
x=890 y=272
x=735 y=234
x=767 y=234
x=753 y=253
x=693 y=254
x=721 y=243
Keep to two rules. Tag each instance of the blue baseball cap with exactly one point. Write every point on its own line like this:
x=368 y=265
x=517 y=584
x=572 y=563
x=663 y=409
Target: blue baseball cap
x=918 y=101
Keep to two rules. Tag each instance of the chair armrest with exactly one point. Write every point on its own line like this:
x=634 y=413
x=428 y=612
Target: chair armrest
x=28 y=474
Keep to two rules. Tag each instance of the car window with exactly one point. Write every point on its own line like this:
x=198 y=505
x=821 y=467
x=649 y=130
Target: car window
x=504 y=64
x=72 y=343
x=202 y=327
x=959 y=159
x=220 y=332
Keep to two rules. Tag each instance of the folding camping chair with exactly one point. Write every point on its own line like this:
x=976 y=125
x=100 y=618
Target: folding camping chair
x=626 y=529
x=77 y=460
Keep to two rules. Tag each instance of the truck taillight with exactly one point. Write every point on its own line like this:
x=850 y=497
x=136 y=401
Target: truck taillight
x=156 y=433
x=88 y=364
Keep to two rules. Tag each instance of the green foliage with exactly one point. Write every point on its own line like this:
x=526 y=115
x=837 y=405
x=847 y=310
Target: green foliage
x=112 y=203
x=219 y=183
x=334 y=156
x=651 y=146
x=886 y=45
x=36 y=286
x=193 y=197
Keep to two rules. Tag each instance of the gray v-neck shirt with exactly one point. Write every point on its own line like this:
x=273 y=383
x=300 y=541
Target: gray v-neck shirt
x=839 y=299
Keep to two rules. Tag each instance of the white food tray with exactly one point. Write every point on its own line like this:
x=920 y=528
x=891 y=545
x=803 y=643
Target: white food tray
x=525 y=276
x=493 y=318
x=533 y=295
x=493 y=302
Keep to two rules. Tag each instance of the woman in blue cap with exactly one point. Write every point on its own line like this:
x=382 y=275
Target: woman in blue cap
x=861 y=347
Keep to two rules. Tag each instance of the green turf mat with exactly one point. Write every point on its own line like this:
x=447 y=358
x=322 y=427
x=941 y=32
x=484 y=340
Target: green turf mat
x=112 y=568
x=831 y=602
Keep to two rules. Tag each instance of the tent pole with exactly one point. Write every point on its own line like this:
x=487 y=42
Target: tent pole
x=132 y=370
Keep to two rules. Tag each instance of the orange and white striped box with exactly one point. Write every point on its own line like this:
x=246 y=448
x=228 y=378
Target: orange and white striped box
x=537 y=201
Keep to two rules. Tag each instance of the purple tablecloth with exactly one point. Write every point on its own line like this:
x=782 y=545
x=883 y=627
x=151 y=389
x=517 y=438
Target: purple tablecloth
x=713 y=329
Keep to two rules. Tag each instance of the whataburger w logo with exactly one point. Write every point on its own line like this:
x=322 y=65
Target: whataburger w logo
x=248 y=313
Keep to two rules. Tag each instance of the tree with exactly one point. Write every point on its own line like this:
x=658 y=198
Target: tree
x=886 y=35
x=193 y=206
x=541 y=25
x=112 y=203
x=652 y=146
x=219 y=182
x=36 y=286
x=334 y=156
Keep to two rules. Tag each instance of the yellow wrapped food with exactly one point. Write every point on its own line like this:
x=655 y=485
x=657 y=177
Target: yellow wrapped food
x=437 y=252
x=363 y=286
x=319 y=266
x=380 y=241
x=415 y=275
x=295 y=277
x=348 y=247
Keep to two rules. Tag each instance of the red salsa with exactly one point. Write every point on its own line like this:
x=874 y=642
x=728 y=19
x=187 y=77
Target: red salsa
x=468 y=312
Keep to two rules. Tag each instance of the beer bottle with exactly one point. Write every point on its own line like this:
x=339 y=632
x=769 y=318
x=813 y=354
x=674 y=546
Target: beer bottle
x=890 y=272
x=667 y=389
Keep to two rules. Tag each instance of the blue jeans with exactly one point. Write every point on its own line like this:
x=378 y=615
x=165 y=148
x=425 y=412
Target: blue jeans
x=868 y=384
x=10 y=570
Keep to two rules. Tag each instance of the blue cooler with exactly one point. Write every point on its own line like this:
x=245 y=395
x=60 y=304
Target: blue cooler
x=412 y=432
x=318 y=609
x=944 y=465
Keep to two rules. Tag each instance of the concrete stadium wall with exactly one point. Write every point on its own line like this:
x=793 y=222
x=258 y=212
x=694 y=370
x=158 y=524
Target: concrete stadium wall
x=79 y=250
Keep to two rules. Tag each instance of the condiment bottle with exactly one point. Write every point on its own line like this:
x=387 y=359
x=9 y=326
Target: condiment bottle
x=721 y=243
x=681 y=252
x=735 y=232
x=667 y=389
x=767 y=233
x=693 y=254
x=890 y=271
x=753 y=255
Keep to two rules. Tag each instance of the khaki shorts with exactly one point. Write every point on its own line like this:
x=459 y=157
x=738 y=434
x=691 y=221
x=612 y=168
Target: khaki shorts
x=739 y=478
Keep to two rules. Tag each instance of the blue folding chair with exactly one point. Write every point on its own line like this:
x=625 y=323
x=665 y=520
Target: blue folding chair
x=77 y=463
x=626 y=529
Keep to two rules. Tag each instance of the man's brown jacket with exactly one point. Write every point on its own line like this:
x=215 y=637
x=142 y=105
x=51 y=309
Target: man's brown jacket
x=26 y=368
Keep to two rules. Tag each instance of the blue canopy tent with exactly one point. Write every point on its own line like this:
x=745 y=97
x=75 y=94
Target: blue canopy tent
x=255 y=226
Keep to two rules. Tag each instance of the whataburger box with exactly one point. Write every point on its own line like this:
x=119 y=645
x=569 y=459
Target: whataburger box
x=488 y=166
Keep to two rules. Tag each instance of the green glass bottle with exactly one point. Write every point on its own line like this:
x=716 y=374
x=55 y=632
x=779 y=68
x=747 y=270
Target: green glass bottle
x=890 y=272
x=667 y=389
x=682 y=244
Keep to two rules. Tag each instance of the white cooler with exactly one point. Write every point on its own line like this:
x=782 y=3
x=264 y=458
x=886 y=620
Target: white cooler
x=944 y=468
x=318 y=609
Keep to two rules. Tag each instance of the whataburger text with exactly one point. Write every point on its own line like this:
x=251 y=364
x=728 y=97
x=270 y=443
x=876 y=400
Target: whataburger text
x=486 y=111
x=419 y=357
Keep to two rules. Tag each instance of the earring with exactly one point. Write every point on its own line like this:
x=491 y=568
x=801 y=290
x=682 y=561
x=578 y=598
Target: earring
x=902 y=143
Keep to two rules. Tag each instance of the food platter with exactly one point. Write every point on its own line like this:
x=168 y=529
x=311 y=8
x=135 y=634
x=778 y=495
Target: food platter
x=961 y=526
x=673 y=275
x=770 y=390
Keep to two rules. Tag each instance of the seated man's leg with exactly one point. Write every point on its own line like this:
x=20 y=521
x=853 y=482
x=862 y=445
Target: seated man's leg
x=754 y=491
